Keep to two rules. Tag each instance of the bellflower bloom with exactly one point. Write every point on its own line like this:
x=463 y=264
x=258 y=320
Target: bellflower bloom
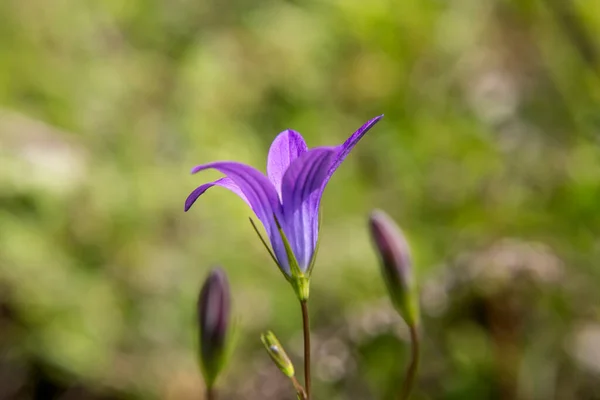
x=287 y=199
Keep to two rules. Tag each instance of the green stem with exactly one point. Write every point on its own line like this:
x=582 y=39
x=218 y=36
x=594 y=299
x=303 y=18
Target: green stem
x=306 y=329
x=411 y=371
x=211 y=394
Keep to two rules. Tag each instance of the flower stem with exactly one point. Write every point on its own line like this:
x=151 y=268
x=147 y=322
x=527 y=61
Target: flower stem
x=211 y=394
x=411 y=371
x=306 y=329
x=299 y=389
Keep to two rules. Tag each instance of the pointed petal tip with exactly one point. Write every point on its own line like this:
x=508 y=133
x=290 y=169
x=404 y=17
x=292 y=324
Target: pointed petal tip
x=378 y=217
x=377 y=213
x=376 y=119
x=189 y=201
x=219 y=272
x=196 y=193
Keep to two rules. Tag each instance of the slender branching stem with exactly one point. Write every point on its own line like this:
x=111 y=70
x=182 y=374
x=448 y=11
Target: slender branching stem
x=211 y=394
x=299 y=389
x=411 y=371
x=306 y=329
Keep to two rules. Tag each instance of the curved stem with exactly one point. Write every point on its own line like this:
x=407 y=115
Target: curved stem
x=299 y=389
x=306 y=329
x=411 y=372
x=211 y=394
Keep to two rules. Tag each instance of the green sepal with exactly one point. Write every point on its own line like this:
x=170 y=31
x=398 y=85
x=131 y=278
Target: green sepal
x=300 y=282
x=407 y=304
x=277 y=353
x=264 y=242
x=405 y=299
x=294 y=267
x=212 y=371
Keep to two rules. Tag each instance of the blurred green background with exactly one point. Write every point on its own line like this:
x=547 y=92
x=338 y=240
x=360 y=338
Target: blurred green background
x=488 y=157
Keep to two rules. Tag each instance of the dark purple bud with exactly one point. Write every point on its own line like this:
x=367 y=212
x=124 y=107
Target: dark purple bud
x=396 y=265
x=214 y=309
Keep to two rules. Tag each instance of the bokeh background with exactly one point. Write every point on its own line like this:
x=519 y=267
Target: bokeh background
x=488 y=157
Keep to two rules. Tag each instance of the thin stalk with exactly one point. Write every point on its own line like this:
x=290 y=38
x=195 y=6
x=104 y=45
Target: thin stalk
x=411 y=371
x=299 y=389
x=211 y=393
x=306 y=329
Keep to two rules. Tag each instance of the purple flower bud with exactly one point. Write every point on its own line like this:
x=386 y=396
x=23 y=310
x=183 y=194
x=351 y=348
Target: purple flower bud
x=214 y=309
x=396 y=265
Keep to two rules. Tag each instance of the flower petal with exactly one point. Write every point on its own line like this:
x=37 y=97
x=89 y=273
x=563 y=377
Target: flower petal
x=286 y=147
x=260 y=194
x=223 y=182
x=301 y=197
x=348 y=145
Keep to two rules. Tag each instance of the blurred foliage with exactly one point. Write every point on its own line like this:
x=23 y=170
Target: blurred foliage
x=488 y=157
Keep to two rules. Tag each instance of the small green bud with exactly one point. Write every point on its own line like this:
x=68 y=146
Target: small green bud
x=396 y=265
x=214 y=309
x=277 y=353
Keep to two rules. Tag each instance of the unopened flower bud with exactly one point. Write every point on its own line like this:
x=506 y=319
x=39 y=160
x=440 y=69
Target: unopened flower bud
x=396 y=265
x=277 y=353
x=214 y=309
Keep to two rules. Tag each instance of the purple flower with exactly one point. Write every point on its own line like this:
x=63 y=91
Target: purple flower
x=287 y=199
